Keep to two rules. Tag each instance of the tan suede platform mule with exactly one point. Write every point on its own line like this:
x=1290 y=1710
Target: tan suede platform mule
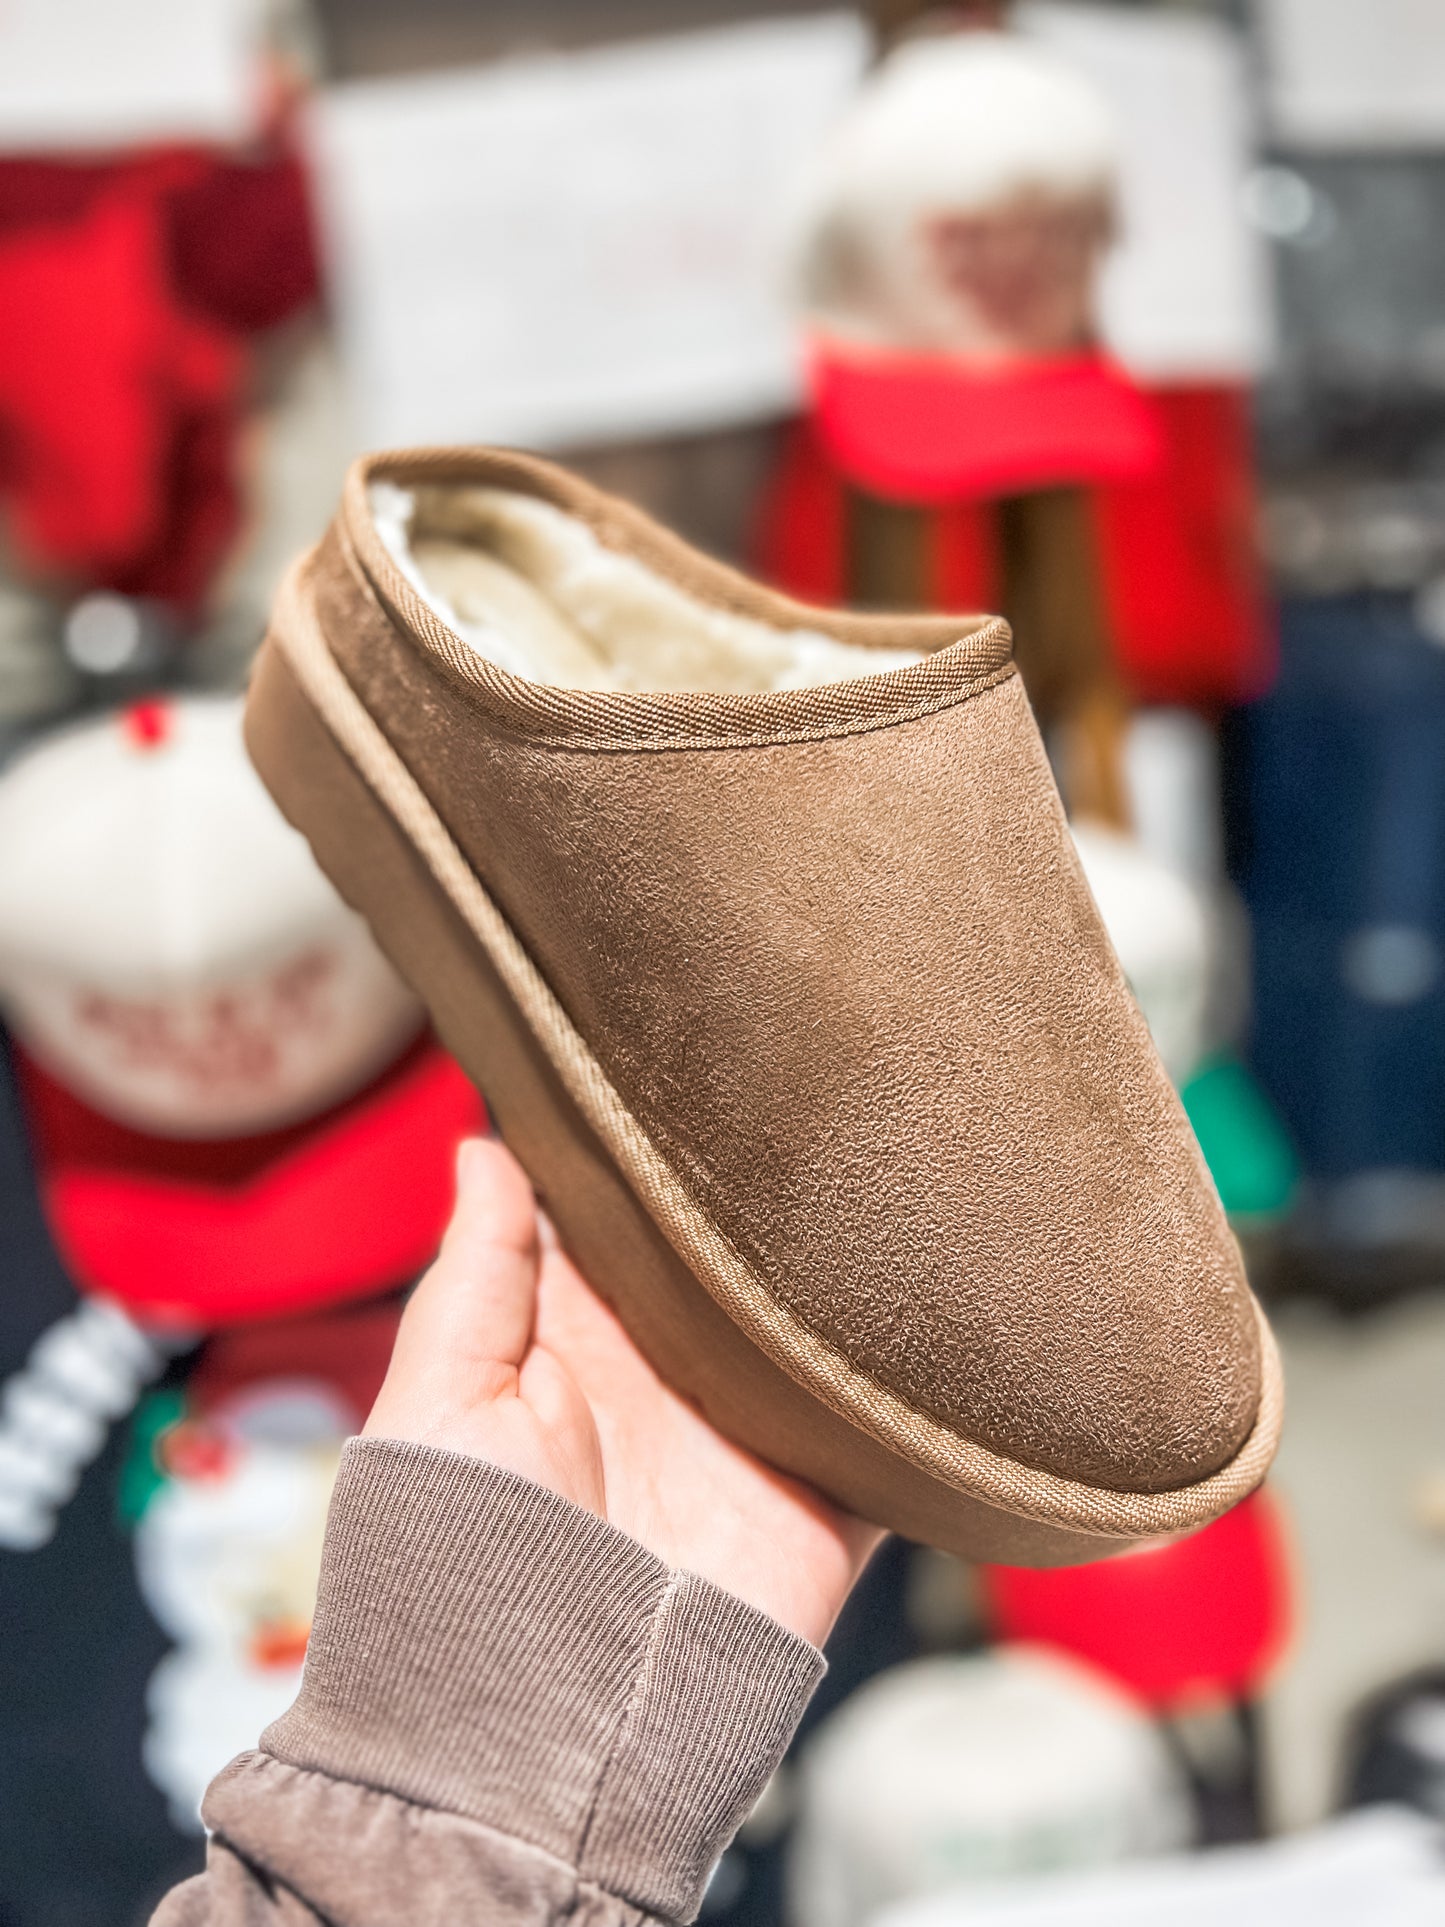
x=761 y=929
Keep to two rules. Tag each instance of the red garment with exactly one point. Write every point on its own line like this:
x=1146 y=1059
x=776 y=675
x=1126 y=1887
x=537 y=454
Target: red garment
x=1183 y=587
x=126 y=290
x=240 y=241
x=211 y=1233
x=920 y=431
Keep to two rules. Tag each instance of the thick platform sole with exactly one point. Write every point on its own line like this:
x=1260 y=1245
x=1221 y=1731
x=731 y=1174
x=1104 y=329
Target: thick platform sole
x=689 y=1338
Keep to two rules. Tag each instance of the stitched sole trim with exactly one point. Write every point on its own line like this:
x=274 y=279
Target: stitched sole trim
x=806 y=1357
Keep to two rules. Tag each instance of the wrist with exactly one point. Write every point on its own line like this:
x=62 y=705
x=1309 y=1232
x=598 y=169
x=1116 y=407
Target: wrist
x=484 y=1647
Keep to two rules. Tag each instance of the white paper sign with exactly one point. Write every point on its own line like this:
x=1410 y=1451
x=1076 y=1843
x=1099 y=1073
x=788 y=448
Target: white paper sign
x=576 y=246
x=1381 y=1867
x=1186 y=293
x=1356 y=73
x=108 y=73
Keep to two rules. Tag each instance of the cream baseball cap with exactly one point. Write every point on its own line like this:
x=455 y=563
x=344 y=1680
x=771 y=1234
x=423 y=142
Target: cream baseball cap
x=168 y=947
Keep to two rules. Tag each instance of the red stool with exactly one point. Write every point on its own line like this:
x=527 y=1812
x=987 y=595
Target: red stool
x=1199 y=1623
x=1203 y=1618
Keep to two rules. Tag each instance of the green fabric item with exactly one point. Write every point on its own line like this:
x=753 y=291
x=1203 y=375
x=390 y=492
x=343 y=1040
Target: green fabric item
x=1244 y=1143
x=140 y=1475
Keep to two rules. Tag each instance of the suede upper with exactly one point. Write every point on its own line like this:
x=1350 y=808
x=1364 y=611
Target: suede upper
x=848 y=978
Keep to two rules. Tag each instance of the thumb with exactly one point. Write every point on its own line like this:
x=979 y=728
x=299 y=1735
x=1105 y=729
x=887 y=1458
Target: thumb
x=468 y=1325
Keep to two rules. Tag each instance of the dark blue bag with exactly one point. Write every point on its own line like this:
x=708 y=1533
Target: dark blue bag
x=1339 y=796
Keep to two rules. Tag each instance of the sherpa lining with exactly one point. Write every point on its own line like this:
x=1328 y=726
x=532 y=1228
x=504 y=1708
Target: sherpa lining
x=532 y=590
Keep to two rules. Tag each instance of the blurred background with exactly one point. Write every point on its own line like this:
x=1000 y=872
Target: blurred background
x=1127 y=319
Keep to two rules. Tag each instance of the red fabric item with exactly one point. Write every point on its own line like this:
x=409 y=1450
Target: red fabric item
x=346 y=1347
x=126 y=288
x=242 y=247
x=921 y=429
x=202 y=1233
x=1185 y=593
x=1205 y=1618
x=103 y=383
x=240 y=241
x=1181 y=565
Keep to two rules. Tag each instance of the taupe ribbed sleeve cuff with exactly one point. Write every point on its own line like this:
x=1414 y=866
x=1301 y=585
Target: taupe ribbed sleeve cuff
x=484 y=1647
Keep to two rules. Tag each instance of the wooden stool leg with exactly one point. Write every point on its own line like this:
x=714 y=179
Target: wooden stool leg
x=1053 y=596
x=888 y=550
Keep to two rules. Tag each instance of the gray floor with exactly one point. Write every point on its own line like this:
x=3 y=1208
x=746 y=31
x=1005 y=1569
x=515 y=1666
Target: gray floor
x=1362 y=1472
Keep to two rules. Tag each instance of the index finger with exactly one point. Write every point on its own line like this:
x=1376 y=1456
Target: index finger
x=479 y=1299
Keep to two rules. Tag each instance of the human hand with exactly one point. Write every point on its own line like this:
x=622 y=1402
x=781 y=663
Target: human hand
x=504 y=1353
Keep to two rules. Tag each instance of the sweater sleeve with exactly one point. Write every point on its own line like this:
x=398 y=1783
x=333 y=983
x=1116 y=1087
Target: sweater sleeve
x=511 y=1713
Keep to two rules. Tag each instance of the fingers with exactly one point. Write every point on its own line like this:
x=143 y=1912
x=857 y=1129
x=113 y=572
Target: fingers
x=478 y=1302
x=575 y=1324
x=465 y=1373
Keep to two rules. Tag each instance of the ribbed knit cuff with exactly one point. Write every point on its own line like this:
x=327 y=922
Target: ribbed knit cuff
x=487 y=1648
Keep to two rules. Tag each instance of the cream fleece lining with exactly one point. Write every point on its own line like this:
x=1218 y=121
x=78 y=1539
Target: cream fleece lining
x=532 y=590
